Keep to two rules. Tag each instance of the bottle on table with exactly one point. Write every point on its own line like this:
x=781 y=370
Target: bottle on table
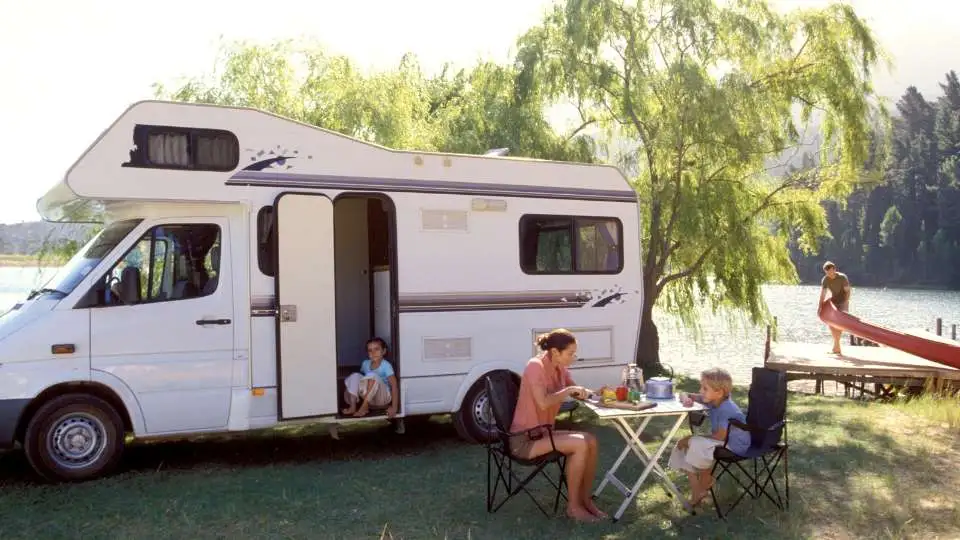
x=634 y=382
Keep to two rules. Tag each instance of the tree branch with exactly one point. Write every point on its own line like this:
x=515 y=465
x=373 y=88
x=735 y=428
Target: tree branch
x=792 y=70
x=580 y=128
x=677 y=187
x=765 y=204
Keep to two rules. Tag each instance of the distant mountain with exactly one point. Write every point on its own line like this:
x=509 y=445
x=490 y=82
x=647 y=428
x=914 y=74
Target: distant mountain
x=30 y=237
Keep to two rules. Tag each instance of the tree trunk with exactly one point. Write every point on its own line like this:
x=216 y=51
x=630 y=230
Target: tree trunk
x=648 y=350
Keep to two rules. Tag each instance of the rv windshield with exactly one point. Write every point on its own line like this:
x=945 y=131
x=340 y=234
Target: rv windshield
x=71 y=274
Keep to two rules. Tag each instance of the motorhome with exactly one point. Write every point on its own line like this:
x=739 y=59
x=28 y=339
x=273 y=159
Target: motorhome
x=246 y=258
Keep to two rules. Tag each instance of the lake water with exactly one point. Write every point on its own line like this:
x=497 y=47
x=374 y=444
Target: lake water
x=738 y=347
x=16 y=282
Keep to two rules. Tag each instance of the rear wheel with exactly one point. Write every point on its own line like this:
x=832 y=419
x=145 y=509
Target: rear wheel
x=74 y=437
x=474 y=420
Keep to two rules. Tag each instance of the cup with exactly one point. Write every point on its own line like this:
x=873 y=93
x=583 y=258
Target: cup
x=621 y=393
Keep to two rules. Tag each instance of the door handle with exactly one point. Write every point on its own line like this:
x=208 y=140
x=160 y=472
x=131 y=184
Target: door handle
x=204 y=322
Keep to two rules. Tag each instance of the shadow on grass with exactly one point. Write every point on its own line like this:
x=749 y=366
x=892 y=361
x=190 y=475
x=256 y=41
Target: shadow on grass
x=849 y=478
x=276 y=446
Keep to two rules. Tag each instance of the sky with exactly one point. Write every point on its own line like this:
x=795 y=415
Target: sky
x=71 y=67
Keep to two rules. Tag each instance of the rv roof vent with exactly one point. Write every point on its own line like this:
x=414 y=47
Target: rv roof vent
x=498 y=152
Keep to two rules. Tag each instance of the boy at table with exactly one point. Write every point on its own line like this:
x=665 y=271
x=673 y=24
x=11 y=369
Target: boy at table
x=694 y=453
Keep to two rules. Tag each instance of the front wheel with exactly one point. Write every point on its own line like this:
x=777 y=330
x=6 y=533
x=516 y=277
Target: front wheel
x=73 y=438
x=474 y=420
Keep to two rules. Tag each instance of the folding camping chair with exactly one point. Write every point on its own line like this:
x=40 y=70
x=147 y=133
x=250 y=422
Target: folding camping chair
x=503 y=393
x=767 y=425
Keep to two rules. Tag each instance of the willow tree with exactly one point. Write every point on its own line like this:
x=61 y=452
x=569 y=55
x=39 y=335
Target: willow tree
x=467 y=110
x=306 y=83
x=703 y=98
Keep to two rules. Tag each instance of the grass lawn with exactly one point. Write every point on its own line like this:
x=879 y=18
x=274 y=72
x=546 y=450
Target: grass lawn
x=857 y=471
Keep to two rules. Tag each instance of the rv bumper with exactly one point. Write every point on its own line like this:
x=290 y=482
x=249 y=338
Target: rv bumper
x=10 y=412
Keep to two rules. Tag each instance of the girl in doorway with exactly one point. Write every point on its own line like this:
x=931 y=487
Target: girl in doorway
x=546 y=383
x=375 y=385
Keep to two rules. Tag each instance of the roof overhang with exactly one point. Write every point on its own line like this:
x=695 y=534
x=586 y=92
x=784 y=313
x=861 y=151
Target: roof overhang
x=61 y=204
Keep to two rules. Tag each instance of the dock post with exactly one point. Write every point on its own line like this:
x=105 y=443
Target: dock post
x=953 y=332
x=939 y=326
x=766 y=347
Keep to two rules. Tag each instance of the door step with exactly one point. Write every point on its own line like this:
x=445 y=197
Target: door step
x=333 y=426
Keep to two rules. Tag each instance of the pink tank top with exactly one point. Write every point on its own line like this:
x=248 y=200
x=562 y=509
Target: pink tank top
x=540 y=371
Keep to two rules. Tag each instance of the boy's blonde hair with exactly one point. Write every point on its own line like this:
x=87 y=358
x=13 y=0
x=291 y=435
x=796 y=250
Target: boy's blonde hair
x=718 y=379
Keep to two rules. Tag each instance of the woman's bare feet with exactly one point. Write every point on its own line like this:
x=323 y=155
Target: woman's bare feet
x=592 y=508
x=578 y=513
x=364 y=409
x=349 y=410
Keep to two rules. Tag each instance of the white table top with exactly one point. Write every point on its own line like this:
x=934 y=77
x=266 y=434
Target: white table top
x=665 y=407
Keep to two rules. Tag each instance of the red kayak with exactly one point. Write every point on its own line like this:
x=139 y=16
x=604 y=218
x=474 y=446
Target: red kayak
x=936 y=351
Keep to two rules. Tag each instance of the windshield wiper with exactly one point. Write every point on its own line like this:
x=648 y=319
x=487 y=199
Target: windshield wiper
x=38 y=292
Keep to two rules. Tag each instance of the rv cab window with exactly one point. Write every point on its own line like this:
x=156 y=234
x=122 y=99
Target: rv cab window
x=169 y=262
x=84 y=261
x=570 y=245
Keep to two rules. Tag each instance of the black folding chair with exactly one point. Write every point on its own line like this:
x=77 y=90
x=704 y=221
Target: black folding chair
x=767 y=425
x=503 y=392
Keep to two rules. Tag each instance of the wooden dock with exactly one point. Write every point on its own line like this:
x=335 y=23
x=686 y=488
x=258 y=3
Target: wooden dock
x=884 y=368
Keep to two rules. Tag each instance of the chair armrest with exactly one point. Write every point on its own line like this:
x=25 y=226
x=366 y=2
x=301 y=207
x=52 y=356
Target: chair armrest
x=755 y=429
x=547 y=427
x=765 y=432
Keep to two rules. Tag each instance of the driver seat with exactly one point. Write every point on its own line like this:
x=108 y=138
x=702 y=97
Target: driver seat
x=130 y=285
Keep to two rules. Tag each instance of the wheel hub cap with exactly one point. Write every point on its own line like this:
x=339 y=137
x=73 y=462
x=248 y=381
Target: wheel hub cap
x=76 y=440
x=482 y=412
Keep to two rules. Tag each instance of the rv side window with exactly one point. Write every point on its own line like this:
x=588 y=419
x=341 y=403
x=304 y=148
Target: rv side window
x=169 y=262
x=570 y=245
x=266 y=238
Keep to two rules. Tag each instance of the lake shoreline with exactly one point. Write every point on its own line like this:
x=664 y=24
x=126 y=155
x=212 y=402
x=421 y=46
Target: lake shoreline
x=720 y=339
x=16 y=260
x=29 y=261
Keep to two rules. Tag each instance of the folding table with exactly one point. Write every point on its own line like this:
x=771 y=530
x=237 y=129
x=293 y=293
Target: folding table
x=621 y=420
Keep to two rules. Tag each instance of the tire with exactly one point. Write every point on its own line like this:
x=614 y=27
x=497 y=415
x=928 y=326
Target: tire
x=85 y=426
x=474 y=420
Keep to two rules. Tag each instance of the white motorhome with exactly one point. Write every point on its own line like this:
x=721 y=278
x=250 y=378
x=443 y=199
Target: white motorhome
x=246 y=258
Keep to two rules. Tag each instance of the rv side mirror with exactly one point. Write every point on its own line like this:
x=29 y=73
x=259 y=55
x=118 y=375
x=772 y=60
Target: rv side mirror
x=97 y=295
x=93 y=297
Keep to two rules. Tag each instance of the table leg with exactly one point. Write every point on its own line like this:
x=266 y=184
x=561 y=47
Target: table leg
x=623 y=455
x=646 y=457
x=661 y=473
x=651 y=461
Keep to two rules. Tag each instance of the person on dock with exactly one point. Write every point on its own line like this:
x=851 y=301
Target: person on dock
x=839 y=286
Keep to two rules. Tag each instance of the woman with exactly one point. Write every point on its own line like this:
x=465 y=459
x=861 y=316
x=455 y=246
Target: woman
x=544 y=386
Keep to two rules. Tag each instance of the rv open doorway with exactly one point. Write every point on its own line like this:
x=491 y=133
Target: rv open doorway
x=365 y=248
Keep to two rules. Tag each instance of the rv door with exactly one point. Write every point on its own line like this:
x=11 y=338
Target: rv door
x=306 y=325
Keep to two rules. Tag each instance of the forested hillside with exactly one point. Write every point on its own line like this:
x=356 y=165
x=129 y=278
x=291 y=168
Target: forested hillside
x=31 y=237
x=904 y=229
